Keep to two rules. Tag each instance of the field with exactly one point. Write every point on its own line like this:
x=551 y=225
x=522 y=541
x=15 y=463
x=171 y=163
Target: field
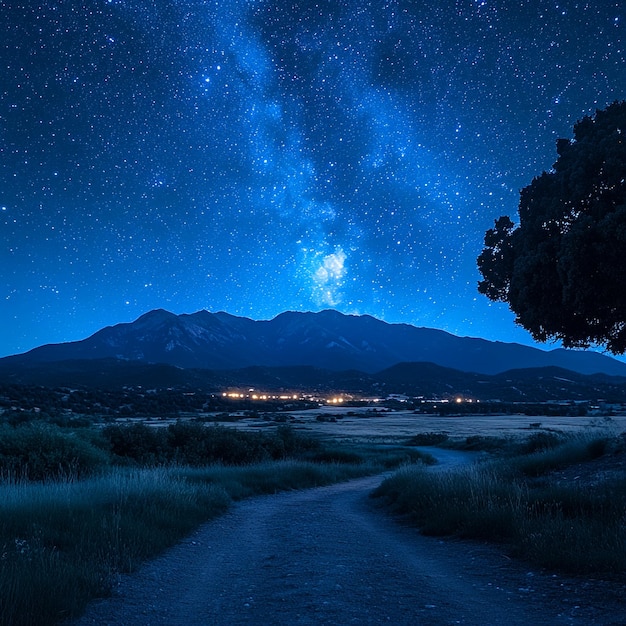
x=361 y=424
x=82 y=504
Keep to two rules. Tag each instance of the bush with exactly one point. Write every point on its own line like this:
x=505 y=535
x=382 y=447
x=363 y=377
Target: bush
x=287 y=442
x=597 y=447
x=482 y=443
x=137 y=443
x=196 y=444
x=37 y=451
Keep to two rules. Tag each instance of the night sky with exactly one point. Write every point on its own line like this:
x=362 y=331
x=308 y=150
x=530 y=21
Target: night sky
x=256 y=157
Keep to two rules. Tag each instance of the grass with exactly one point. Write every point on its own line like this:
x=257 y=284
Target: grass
x=575 y=528
x=569 y=450
x=568 y=527
x=63 y=542
x=469 y=502
x=382 y=456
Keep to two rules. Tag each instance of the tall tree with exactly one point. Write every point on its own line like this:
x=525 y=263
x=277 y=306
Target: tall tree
x=562 y=269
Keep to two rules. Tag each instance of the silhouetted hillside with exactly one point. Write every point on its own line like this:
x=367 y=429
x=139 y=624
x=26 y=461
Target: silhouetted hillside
x=326 y=340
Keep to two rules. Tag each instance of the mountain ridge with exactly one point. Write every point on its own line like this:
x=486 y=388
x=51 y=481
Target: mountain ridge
x=326 y=339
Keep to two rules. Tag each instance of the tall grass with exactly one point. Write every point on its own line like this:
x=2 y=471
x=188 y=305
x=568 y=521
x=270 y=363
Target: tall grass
x=383 y=457
x=573 y=449
x=568 y=527
x=576 y=528
x=63 y=543
x=470 y=501
x=272 y=477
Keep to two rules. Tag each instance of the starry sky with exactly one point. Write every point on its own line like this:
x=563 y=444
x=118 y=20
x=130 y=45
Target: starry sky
x=258 y=156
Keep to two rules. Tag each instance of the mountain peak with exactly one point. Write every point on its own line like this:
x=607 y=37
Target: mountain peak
x=155 y=315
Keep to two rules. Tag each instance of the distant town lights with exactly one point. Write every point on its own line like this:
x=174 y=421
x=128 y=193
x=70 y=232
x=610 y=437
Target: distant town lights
x=259 y=396
x=335 y=401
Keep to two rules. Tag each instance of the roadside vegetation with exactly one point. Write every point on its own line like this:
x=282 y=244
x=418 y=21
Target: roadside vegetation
x=524 y=498
x=80 y=505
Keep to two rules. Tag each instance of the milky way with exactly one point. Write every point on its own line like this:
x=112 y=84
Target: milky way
x=257 y=156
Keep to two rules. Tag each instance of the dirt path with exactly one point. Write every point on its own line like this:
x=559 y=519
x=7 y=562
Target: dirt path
x=327 y=556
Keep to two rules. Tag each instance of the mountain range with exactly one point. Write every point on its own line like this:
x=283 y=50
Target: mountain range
x=321 y=352
x=327 y=340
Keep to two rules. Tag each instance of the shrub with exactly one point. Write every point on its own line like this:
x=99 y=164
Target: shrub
x=288 y=442
x=38 y=451
x=137 y=443
x=597 y=447
x=194 y=443
x=484 y=443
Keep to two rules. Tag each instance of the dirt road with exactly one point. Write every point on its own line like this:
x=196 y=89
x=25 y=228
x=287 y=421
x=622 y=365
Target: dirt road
x=327 y=556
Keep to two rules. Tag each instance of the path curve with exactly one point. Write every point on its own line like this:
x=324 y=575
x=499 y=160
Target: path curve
x=328 y=556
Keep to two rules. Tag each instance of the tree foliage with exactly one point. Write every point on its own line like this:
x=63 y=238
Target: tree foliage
x=562 y=269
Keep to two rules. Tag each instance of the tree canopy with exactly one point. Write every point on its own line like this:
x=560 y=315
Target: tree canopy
x=562 y=269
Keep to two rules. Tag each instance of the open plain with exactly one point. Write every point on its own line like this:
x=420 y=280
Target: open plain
x=363 y=424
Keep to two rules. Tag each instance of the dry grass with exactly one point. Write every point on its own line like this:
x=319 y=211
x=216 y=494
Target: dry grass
x=570 y=527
